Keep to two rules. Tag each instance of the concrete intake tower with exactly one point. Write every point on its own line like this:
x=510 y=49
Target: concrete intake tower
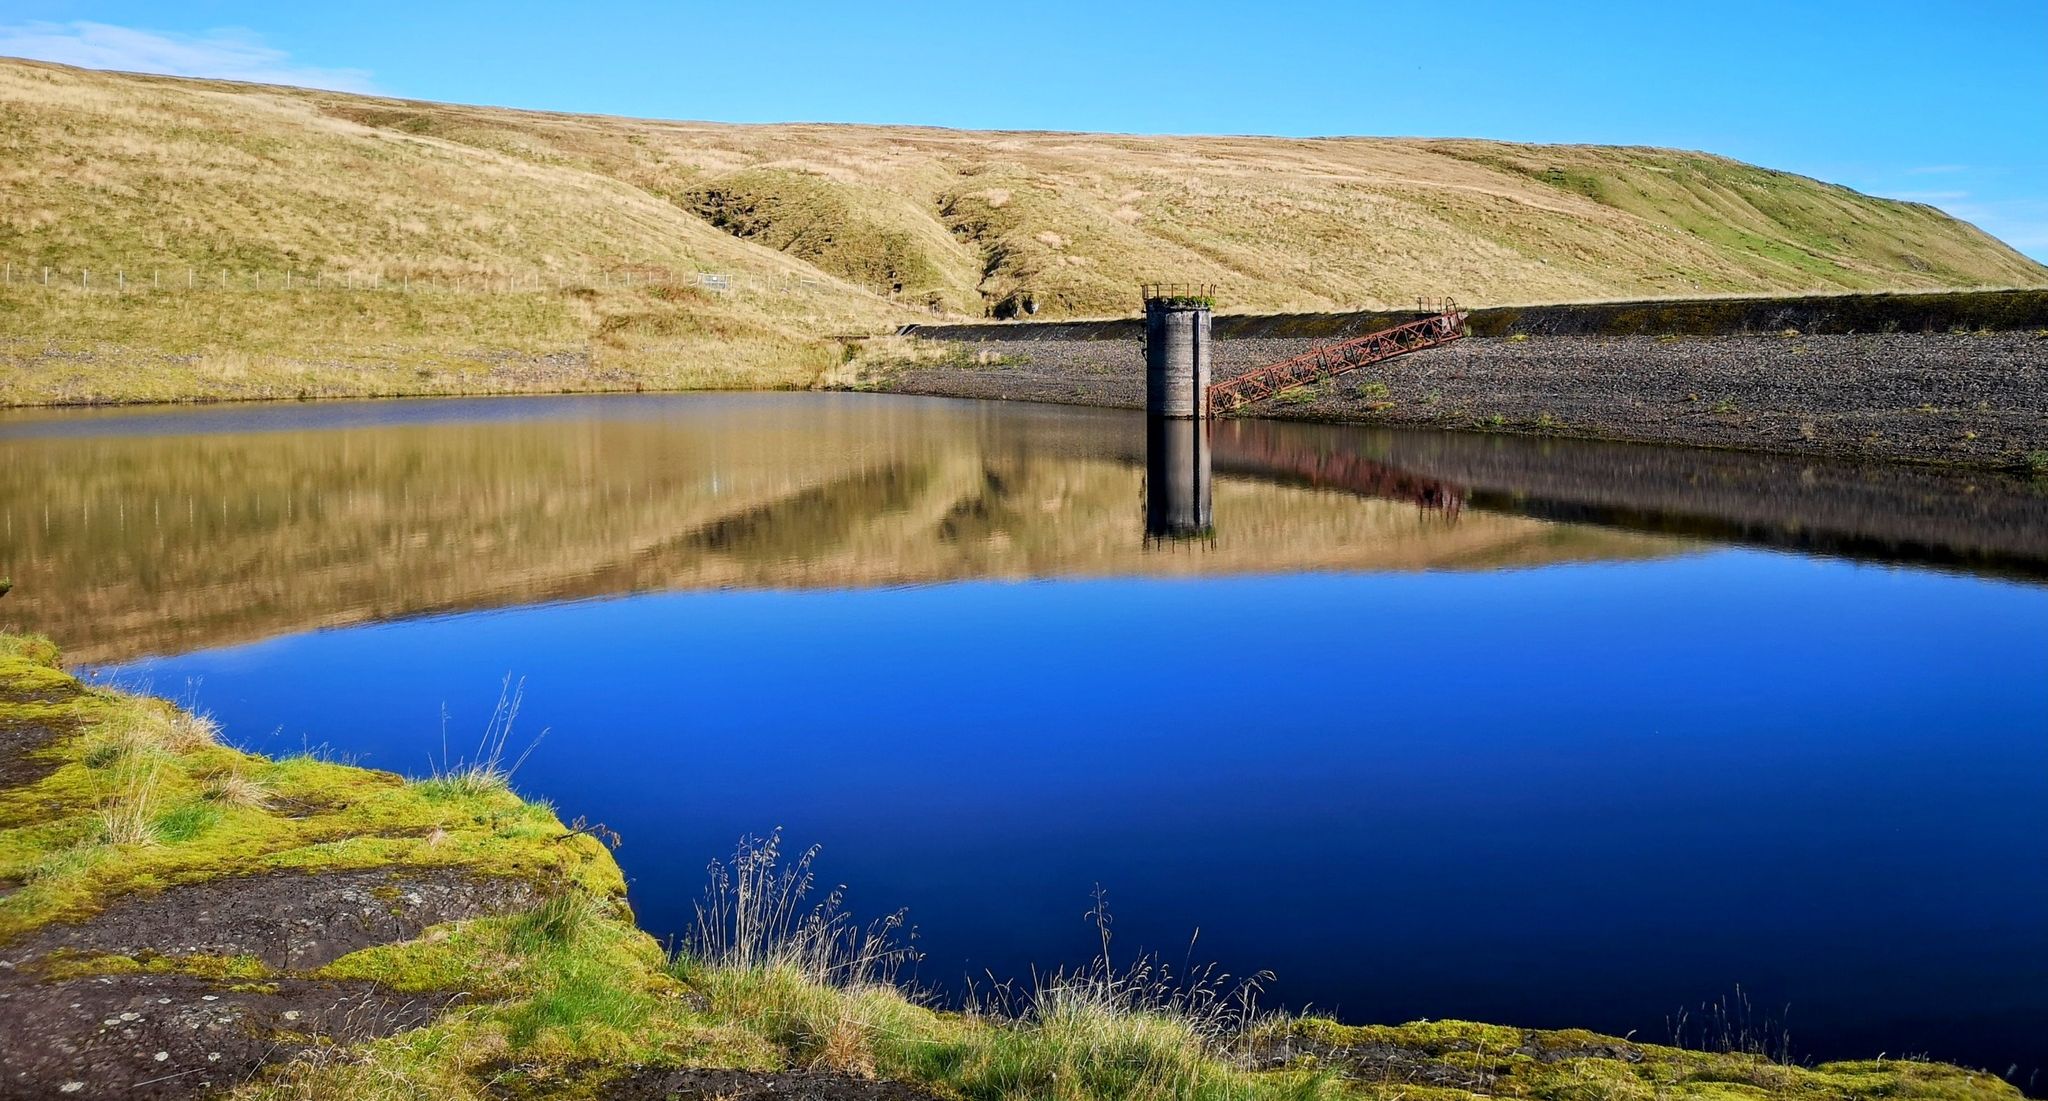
x=1177 y=357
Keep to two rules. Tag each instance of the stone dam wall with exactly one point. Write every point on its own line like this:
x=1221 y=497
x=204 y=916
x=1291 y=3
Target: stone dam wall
x=1832 y=315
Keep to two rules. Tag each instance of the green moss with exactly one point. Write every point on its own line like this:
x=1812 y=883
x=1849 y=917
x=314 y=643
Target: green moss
x=1573 y=1064
x=224 y=969
x=28 y=679
x=25 y=653
x=1435 y=1037
x=323 y=816
x=471 y=957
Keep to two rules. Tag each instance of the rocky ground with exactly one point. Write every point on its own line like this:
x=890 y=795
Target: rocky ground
x=1967 y=398
x=194 y=987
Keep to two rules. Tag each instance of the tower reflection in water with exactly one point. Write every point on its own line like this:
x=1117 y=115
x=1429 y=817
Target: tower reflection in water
x=1177 y=479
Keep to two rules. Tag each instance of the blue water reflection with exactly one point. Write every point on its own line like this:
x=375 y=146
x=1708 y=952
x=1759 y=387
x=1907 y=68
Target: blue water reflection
x=1577 y=795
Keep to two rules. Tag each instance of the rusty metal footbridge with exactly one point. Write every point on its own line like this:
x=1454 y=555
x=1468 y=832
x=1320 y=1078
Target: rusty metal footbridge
x=1330 y=360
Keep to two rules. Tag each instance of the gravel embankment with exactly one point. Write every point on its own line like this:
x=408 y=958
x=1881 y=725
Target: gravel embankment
x=1968 y=398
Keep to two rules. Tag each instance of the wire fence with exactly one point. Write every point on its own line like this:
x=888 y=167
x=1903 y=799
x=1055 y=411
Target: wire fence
x=124 y=279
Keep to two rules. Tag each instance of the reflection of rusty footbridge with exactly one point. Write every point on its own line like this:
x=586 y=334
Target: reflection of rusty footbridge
x=1181 y=454
x=1248 y=449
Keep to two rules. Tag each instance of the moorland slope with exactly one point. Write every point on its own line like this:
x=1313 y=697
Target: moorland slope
x=168 y=238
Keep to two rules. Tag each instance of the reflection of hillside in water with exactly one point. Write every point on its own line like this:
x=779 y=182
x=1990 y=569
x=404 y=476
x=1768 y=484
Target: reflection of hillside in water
x=123 y=542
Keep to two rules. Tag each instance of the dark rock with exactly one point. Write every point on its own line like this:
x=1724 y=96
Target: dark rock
x=697 y=1084
x=289 y=921
x=141 y=1037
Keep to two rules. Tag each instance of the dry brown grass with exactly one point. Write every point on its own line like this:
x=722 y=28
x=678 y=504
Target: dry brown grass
x=134 y=747
x=127 y=815
x=830 y=231
x=238 y=789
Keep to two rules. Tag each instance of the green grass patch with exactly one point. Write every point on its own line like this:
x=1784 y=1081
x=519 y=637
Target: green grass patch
x=186 y=822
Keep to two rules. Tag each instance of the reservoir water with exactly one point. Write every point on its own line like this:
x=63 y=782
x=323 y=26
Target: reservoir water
x=1428 y=725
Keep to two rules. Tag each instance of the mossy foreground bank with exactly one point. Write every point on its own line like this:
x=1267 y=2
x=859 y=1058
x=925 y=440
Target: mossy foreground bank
x=181 y=919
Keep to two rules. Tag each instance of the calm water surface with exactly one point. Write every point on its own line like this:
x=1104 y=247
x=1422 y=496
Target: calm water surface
x=1428 y=725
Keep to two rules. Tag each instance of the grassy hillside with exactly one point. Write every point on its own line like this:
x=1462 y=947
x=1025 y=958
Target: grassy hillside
x=490 y=272
x=516 y=250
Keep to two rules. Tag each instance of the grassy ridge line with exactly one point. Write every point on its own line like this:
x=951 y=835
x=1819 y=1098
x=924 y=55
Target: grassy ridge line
x=574 y=998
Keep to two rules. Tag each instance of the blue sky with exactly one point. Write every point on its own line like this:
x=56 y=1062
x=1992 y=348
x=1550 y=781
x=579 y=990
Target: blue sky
x=1945 y=103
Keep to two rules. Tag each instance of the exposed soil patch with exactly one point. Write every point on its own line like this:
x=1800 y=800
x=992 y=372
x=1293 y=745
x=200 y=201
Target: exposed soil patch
x=21 y=743
x=690 y=1084
x=1389 y=1063
x=1383 y=1063
x=1557 y=1049
x=290 y=922
x=160 y=1036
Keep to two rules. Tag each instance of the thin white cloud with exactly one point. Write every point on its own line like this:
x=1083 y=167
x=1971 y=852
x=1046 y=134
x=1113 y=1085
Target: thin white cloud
x=226 y=54
x=2003 y=200
x=2021 y=223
